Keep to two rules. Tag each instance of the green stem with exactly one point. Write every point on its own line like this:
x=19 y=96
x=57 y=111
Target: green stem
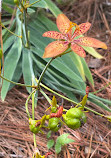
x=10 y=31
x=97 y=113
x=65 y=99
x=102 y=88
x=42 y=74
x=26 y=104
x=35 y=144
x=19 y=84
x=44 y=94
x=52 y=91
x=33 y=112
x=33 y=116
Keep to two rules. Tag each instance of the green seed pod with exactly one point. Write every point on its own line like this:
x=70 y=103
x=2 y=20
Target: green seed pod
x=54 y=124
x=73 y=123
x=1 y=54
x=74 y=118
x=74 y=113
x=34 y=125
x=16 y=2
x=34 y=129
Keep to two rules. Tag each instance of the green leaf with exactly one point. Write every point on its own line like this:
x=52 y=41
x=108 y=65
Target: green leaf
x=10 y=2
x=8 y=43
x=49 y=134
x=53 y=8
x=6 y=8
x=77 y=61
x=87 y=71
x=57 y=148
x=41 y=3
x=27 y=68
x=93 y=52
x=10 y=65
x=98 y=102
x=17 y=74
x=50 y=143
x=63 y=139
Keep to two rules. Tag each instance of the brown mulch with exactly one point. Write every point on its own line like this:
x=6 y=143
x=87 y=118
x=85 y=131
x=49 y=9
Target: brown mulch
x=93 y=139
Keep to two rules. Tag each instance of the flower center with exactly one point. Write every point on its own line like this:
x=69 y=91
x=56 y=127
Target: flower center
x=72 y=25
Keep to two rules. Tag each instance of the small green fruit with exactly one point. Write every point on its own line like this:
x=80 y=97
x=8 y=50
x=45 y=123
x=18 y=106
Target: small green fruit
x=74 y=113
x=54 y=124
x=74 y=118
x=73 y=123
x=34 y=129
x=16 y=2
x=33 y=125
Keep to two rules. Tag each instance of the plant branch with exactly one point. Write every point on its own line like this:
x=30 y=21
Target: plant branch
x=10 y=31
x=43 y=72
x=65 y=99
x=18 y=84
x=102 y=88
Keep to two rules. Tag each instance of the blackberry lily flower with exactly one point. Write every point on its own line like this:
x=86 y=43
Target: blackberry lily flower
x=66 y=38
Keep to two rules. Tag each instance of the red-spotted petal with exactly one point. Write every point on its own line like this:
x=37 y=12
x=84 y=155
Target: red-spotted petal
x=82 y=28
x=54 y=35
x=55 y=48
x=64 y=24
x=78 y=50
x=90 y=42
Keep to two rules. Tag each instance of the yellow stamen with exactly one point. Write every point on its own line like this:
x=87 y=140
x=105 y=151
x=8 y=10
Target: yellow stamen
x=72 y=25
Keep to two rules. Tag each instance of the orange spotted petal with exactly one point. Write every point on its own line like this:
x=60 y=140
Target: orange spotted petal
x=54 y=35
x=78 y=50
x=90 y=42
x=82 y=28
x=63 y=24
x=55 y=48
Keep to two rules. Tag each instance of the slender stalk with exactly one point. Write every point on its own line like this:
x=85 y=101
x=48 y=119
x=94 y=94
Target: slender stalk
x=33 y=115
x=101 y=88
x=26 y=104
x=19 y=84
x=33 y=112
x=97 y=113
x=43 y=72
x=10 y=31
x=44 y=94
x=35 y=144
x=52 y=91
